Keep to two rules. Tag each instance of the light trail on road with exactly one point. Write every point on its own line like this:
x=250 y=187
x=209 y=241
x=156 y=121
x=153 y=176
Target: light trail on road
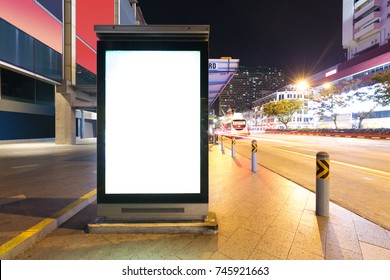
x=361 y=169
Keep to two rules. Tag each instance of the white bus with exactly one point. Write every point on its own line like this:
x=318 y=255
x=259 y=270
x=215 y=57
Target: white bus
x=236 y=127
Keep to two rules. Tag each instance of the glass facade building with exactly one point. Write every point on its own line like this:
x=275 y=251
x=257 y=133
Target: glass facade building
x=29 y=72
x=31 y=41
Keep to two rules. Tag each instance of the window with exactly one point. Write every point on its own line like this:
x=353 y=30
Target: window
x=22 y=50
x=54 y=7
x=20 y=88
x=16 y=47
x=84 y=76
x=47 y=62
x=17 y=87
x=44 y=93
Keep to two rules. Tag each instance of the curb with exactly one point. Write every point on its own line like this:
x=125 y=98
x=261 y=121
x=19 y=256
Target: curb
x=28 y=238
x=329 y=134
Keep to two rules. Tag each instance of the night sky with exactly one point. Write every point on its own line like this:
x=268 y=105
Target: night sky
x=301 y=37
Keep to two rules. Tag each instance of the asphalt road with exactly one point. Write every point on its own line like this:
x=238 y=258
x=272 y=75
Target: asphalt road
x=359 y=168
x=39 y=179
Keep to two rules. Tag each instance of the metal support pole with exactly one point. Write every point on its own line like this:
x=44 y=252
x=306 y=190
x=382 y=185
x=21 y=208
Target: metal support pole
x=254 y=155
x=223 y=144
x=322 y=184
x=82 y=125
x=233 y=147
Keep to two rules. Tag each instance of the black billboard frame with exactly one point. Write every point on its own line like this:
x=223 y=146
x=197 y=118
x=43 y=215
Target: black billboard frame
x=161 y=38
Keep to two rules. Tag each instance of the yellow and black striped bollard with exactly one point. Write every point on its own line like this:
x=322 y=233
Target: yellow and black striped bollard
x=233 y=147
x=322 y=184
x=254 y=153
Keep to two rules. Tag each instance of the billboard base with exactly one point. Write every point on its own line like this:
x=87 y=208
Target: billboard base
x=139 y=212
x=208 y=226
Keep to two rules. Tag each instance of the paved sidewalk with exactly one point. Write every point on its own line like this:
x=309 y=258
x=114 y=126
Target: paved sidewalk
x=260 y=215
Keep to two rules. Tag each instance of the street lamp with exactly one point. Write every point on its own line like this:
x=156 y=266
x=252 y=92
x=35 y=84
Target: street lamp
x=302 y=85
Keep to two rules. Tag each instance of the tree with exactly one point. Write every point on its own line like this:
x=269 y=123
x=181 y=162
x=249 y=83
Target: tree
x=365 y=99
x=380 y=82
x=374 y=93
x=332 y=98
x=283 y=109
x=367 y=104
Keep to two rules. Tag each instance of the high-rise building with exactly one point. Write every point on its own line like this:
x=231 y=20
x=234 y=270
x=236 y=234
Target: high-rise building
x=365 y=37
x=248 y=85
x=366 y=25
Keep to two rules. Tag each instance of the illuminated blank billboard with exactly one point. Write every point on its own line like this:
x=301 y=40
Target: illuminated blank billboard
x=152 y=124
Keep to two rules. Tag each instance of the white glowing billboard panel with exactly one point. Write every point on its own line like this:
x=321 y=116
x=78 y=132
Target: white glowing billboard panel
x=152 y=122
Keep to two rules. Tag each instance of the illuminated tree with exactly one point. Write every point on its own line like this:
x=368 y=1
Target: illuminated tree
x=332 y=98
x=366 y=101
x=369 y=106
x=283 y=110
x=376 y=92
x=381 y=86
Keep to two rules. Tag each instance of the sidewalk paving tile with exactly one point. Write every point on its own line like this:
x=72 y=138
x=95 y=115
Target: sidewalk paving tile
x=372 y=252
x=371 y=233
x=276 y=242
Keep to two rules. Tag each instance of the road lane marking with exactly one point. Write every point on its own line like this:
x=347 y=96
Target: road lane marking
x=290 y=152
x=366 y=169
x=269 y=140
x=25 y=166
x=361 y=168
x=11 y=199
x=34 y=233
x=310 y=150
